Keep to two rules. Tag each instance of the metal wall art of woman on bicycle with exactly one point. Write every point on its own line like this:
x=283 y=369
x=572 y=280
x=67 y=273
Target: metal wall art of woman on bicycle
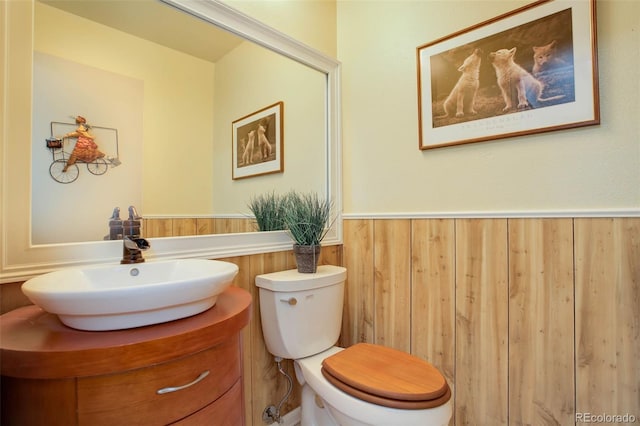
x=64 y=169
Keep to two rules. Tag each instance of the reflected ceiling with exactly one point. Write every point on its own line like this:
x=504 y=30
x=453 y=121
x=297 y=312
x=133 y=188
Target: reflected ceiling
x=139 y=18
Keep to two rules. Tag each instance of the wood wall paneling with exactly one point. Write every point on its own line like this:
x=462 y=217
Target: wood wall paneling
x=392 y=283
x=492 y=303
x=607 y=316
x=518 y=287
x=433 y=293
x=11 y=297
x=541 y=308
x=481 y=322
x=357 y=319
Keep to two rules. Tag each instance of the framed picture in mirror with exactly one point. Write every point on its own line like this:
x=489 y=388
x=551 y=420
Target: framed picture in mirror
x=258 y=141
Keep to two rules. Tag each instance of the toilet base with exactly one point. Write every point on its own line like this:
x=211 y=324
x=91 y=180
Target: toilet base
x=336 y=407
x=313 y=411
x=316 y=412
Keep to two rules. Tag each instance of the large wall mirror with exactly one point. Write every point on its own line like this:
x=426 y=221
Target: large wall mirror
x=171 y=91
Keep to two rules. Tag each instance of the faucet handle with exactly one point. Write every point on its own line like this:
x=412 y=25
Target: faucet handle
x=133 y=213
x=131 y=249
x=133 y=243
x=116 y=214
x=142 y=243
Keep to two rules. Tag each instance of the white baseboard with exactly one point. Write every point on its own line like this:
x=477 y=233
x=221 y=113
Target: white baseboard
x=292 y=418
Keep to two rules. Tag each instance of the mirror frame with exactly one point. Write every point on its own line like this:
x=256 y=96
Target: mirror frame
x=21 y=260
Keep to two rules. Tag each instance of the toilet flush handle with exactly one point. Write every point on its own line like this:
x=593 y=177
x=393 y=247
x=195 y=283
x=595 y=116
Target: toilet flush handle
x=291 y=301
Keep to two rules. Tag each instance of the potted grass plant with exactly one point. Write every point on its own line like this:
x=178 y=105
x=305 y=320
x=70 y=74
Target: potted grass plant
x=307 y=219
x=268 y=210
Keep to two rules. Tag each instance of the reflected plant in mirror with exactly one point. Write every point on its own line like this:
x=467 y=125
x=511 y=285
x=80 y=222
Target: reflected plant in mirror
x=269 y=211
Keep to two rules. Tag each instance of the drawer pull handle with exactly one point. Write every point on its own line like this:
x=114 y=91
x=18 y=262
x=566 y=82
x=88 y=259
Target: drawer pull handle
x=177 y=388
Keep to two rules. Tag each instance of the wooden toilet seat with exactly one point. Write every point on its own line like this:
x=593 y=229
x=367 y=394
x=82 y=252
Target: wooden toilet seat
x=386 y=377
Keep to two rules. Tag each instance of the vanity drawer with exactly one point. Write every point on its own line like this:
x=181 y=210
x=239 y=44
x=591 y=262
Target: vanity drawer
x=226 y=411
x=132 y=397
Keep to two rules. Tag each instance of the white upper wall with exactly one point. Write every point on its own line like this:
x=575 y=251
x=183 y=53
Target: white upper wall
x=594 y=168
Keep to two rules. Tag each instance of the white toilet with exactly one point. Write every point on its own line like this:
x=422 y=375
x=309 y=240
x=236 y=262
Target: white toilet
x=364 y=384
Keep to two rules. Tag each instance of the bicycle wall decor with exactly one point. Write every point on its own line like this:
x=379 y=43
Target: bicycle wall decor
x=95 y=146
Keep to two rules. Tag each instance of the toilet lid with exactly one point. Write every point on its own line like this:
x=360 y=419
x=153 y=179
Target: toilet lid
x=386 y=377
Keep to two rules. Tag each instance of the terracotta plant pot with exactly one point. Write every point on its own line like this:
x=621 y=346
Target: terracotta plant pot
x=307 y=258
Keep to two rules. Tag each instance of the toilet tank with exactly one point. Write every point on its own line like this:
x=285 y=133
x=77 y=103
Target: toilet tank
x=301 y=313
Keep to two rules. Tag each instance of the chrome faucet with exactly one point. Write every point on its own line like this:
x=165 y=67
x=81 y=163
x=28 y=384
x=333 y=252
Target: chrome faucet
x=132 y=243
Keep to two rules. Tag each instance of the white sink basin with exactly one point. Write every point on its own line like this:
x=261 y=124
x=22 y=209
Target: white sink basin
x=116 y=297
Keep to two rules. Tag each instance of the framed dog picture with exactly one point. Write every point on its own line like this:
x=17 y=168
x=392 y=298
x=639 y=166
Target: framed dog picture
x=258 y=141
x=528 y=71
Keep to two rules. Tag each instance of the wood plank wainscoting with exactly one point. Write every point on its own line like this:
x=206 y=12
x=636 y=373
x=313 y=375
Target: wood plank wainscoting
x=532 y=321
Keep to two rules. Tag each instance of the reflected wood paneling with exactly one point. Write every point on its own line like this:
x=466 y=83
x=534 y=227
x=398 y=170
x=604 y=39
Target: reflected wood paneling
x=182 y=227
x=205 y=226
x=607 y=316
x=541 y=322
x=153 y=228
x=233 y=226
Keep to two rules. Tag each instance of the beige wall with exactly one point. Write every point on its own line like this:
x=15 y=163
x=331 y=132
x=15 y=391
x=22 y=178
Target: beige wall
x=592 y=168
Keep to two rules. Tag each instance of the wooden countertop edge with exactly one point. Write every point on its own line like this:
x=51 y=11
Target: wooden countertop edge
x=36 y=345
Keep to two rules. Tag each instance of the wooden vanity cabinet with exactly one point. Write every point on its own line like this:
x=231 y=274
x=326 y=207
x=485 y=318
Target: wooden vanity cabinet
x=131 y=397
x=116 y=375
